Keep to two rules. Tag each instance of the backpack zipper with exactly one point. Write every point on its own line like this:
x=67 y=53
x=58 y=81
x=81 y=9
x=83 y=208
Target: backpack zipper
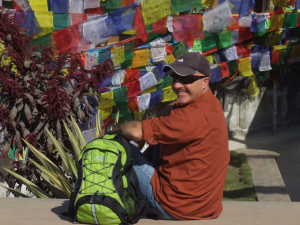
x=93 y=207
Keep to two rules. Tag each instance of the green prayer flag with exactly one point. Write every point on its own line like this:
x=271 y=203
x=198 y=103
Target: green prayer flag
x=114 y=4
x=149 y=28
x=12 y=152
x=126 y=64
x=267 y=26
x=166 y=82
x=152 y=36
x=224 y=39
x=232 y=67
x=7 y=5
x=285 y=53
x=290 y=20
x=263 y=75
x=184 y=5
x=61 y=20
x=121 y=95
x=129 y=50
x=179 y=50
x=197 y=46
x=43 y=40
x=122 y=108
x=125 y=118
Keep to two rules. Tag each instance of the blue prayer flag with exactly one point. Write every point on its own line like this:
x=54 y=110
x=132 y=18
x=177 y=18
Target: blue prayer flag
x=243 y=6
x=58 y=6
x=216 y=74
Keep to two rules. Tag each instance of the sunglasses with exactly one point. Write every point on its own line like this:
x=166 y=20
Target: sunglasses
x=185 y=79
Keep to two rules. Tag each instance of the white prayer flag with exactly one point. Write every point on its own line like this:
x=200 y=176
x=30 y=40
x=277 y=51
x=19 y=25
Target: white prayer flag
x=245 y=21
x=158 y=54
x=147 y=81
x=143 y=101
x=91 y=59
x=76 y=6
x=118 y=77
x=231 y=53
x=265 y=62
x=89 y=4
x=93 y=29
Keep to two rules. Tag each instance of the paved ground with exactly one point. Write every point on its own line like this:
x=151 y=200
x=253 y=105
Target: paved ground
x=286 y=142
x=15 y=211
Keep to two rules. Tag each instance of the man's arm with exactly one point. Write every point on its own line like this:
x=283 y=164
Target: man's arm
x=132 y=131
x=167 y=110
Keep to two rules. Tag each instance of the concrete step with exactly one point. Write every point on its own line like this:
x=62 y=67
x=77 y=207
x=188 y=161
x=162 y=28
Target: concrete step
x=33 y=211
x=267 y=180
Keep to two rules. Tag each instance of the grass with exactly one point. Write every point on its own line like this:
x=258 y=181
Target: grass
x=238 y=184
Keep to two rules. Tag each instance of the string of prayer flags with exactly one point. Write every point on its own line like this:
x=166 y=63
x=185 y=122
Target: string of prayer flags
x=216 y=73
x=143 y=101
x=253 y=89
x=142 y=58
x=265 y=62
x=67 y=38
x=243 y=6
x=290 y=20
x=187 y=28
x=59 y=6
x=147 y=81
x=153 y=11
x=245 y=67
x=217 y=19
x=139 y=26
x=169 y=94
x=183 y=5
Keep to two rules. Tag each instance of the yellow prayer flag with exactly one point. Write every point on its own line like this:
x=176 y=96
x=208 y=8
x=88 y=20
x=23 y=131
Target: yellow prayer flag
x=139 y=115
x=132 y=32
x=105 y=113
x=142 y=58
x=276 y=21
x=245 y=67
x=3 y=62
x=253 y=89
x=22 y=153
x=39 y=5
x=274 y=38
x=149 y=90
x=208 y=3
x=210 y=59
x=295 y=51
x=169 y=94
x=118 y=55
x=153 y=11
x=279 y=47
x=170 y=58
x=107 y=100
x=45 y=18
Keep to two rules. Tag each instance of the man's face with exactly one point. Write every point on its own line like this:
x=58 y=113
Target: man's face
x=187 y=92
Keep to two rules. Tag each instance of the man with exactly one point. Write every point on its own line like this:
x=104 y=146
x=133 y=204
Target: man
x=193 y=140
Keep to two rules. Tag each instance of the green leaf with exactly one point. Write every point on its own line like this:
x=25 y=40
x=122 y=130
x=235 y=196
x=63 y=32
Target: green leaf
x=44 y=160
x=15 y=192
x=117 y=117
x=32 y=187
x=98 y=125
x=74 y=142
x=79 y=135
x=55 y=183
x=71 y=167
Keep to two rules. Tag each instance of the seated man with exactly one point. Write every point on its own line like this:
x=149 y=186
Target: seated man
x=193 y=141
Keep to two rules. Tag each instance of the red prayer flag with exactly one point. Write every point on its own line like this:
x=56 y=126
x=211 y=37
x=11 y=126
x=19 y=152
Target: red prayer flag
x=242 y=50
x=225 y=70
x=275 y=57
x=133 y=105
x=160 y=26
x=67 y=38
x=134 y=88
x=235 y=25
x=169 y=49
x=139 y=26
x=244 y=33
x=188 y=27
x=16 y=6
x=127 y=2
x=98 y=11
x=132 y=74
x=298 y=21
x=78 y=17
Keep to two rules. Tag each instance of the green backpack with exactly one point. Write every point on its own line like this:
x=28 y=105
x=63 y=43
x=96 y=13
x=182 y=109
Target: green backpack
x=103 y=193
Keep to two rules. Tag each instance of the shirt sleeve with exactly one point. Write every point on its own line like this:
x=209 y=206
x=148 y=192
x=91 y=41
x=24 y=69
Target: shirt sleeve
x=172 y=129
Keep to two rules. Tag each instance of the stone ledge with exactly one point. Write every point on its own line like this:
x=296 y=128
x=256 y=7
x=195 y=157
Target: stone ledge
x=267 y=180
x=33 y=211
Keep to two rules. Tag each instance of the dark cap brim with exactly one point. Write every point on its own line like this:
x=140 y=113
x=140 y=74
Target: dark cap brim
x=179 y=68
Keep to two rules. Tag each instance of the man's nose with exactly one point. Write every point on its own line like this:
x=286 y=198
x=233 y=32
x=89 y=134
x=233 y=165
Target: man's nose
x=177 y=84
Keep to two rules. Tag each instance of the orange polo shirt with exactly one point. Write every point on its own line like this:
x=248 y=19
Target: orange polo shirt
x=195 y=157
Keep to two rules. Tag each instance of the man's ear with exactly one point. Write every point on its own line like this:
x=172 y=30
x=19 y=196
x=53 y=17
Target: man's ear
x=205 y=82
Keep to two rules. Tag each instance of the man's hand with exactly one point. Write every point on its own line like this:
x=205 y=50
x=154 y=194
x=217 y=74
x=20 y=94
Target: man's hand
x=102 y=133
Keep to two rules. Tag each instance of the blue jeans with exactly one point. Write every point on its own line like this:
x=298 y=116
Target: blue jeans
x=144 y=171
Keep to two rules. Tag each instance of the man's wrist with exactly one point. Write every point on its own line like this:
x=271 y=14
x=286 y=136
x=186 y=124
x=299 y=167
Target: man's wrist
x=113 y=129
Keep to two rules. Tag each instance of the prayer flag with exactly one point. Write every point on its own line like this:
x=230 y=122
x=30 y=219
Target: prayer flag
x=120 y=95
x=153 y=11
x=169 y=94
x=128 y=2
x=275 y=57
x=61 y=20
x=170 y=59
x=88 y=4
x=105 y=113
x=91 y=59
x=160 y=26
x=156 y=97
x=118 y=55
x=245 y=21
x=107 y=100
x=132 y=74
x=166 y=82
x=139 y=115
x=179 y=49
x=158 y=54
x=76 y=6
x=255 y=61
x=243 y=6
x=78 y=17
x=276 y=21
x=232 y=66
x=147 y=81
x=143 y=101
x=114 y=4
x=265 y=62
x=216 y=74
x=187 y=28
x=158 y=71
x=149 y=90
x=253 y=89
x=184 y=5
x=39 y=5
x=124 y=112
x=295 y=53
x=290 y=20
x=118 y=77
x=224 y=39
x=58 y=6
x=217 y=19
x=142 y=58
x=134 y=88
x=139 y=25
x=67 y=38
x=133 y=105
x=225 y=69
x=245 y=67
x=244 y=34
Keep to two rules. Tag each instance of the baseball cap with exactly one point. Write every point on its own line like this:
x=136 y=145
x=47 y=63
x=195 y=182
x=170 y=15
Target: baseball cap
x=189 y=63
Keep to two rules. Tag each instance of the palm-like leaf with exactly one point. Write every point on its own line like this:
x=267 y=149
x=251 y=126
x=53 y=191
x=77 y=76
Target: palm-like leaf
x=15 y=191
x=32 y=187
x=74 y=142
x=98 y=125
x=79 y=136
